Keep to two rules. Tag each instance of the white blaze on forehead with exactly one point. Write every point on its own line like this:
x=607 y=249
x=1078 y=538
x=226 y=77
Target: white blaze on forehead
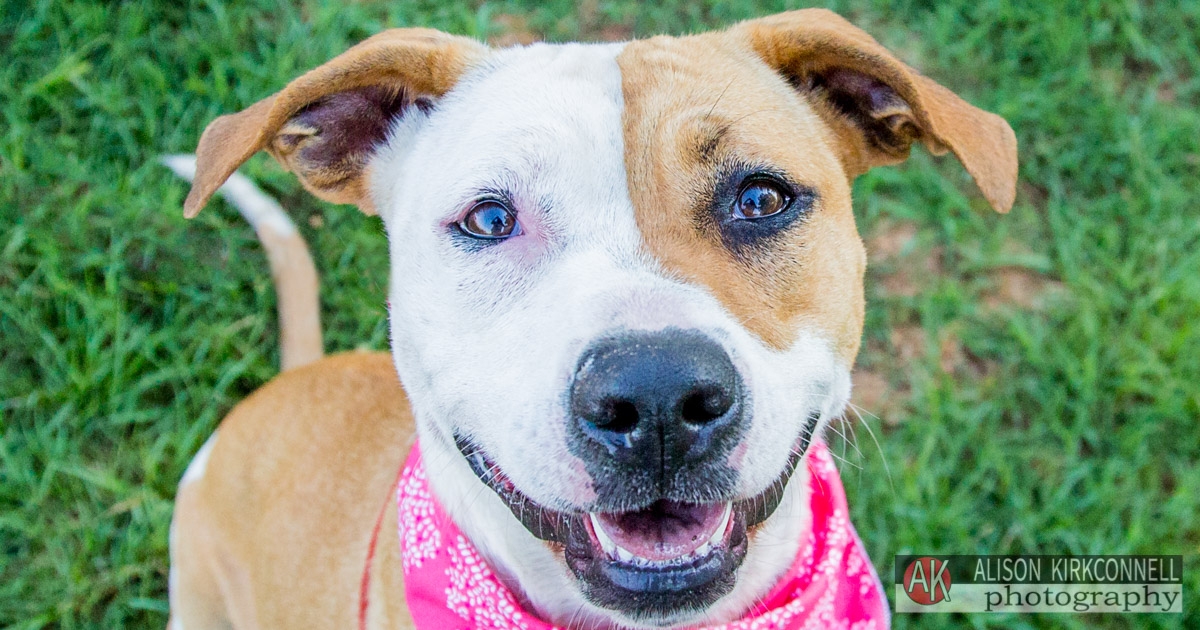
x=543 y=121
x=483 y=335
x=482 y=338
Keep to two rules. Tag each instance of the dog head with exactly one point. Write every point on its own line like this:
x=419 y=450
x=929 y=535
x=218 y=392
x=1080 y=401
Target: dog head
x=626 y=283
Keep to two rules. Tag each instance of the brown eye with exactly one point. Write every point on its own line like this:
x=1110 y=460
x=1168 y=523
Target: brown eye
x=759 y=199
x=489 y=219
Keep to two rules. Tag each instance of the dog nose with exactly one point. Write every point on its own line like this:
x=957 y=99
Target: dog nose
x=656 y=398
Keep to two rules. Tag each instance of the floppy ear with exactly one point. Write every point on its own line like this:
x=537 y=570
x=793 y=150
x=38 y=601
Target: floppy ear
x=879 y=105
x=324 y=125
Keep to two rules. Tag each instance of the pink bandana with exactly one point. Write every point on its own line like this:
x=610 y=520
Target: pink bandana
x=831 y=583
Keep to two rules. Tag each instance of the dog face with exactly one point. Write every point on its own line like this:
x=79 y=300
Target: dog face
x=635 y=421
x=626 y=284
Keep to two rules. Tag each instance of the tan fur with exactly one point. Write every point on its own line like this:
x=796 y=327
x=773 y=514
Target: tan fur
x=299 y=307
x=292 y=268
x=275 y=534
x=816 y=40
x=681 y=93
x=423 y=61
x=677 y=92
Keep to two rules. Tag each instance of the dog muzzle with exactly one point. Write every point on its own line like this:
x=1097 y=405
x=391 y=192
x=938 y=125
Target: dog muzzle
x=831 y=581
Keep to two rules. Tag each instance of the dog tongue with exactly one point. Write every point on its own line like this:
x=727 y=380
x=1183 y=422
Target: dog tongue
x=664 y=531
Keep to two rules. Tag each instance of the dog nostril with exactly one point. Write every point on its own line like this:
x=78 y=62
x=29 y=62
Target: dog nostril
x=620 y=416
x=704 y=405
x=654 y=399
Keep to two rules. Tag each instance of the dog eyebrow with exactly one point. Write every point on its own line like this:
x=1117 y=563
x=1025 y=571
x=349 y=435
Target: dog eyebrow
x=502 y=184
x=708 y=139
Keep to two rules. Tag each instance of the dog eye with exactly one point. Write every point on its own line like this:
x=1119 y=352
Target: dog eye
x=489 y=219
x=760 y=198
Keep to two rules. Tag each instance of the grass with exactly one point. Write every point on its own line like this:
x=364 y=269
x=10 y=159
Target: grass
x=1065 y=423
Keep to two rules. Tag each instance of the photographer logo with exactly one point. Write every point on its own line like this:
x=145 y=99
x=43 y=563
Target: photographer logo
x=927 y=581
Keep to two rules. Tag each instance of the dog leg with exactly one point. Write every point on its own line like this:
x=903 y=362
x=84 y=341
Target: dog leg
x=195 y=590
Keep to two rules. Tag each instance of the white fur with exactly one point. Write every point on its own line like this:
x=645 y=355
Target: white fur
x=485 y=341
x=193 y=473
x=196 y=468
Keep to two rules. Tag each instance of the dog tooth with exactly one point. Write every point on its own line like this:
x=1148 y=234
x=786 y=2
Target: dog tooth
x=718 y=534
x=619 y=553
x=606 y=543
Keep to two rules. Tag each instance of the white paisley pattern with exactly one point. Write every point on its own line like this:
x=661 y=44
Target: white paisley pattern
x=476 y=595
x=448 y=584
x=419 y=535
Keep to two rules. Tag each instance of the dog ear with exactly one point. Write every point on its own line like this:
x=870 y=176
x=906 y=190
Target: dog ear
x=324 y=125
x=879 y=105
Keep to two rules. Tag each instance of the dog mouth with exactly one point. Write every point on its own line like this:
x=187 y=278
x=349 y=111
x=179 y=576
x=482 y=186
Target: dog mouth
x=655 y=562
x=649 y=564
x=664 y=535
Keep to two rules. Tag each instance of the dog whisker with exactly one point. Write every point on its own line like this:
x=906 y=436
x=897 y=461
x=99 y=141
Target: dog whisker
x=575 y=616
x=719 y=97
x=853 y=434
x=887 y=469
x=845 y=461
x=850 y=440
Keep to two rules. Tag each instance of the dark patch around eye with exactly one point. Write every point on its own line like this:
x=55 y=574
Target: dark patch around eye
x=741 y=236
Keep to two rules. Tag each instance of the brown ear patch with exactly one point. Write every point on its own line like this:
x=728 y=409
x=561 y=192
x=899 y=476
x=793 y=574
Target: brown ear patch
x=327 y=143
x=865 y=82
x=887 y=122
x=332 y=108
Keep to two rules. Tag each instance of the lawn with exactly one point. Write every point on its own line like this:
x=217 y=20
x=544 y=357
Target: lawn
x=1032 y=380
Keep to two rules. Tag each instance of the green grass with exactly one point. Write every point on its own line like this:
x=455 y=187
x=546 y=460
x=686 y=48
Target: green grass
x=126 y=332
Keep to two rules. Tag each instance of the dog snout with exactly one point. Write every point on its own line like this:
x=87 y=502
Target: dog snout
x=656 y=399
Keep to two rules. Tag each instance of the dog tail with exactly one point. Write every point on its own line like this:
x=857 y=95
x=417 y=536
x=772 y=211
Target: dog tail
x=291 y=264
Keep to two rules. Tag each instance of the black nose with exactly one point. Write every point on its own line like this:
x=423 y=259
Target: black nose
x=656 y=399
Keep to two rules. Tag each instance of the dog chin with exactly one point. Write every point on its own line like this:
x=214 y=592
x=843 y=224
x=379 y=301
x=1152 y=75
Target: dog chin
x=663 y=565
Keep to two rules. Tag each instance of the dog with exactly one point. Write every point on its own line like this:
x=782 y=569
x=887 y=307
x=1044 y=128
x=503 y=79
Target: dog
x=626 y=295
